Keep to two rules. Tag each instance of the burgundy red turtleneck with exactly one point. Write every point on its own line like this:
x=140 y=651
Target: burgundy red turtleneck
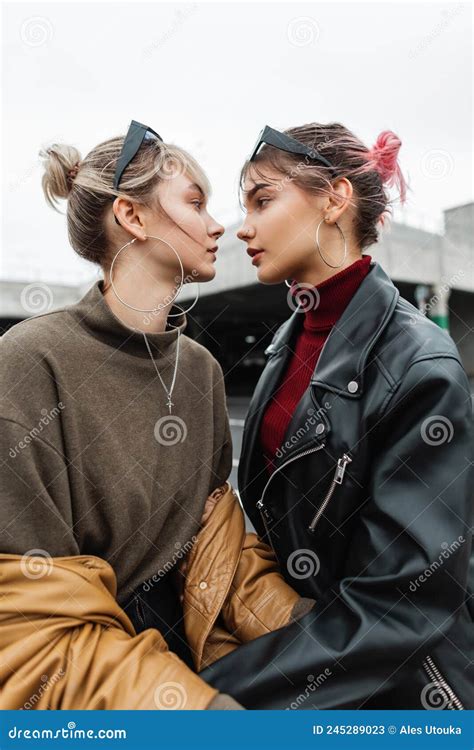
x=334 y=295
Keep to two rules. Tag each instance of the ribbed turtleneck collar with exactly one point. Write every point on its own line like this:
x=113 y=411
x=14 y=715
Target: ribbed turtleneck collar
x=93 y=313
x=333 y=295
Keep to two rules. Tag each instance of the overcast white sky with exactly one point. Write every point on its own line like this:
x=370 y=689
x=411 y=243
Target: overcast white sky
x=208 y=76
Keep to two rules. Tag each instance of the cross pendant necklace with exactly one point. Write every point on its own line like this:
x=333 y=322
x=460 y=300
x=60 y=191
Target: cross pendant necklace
x=169 y=392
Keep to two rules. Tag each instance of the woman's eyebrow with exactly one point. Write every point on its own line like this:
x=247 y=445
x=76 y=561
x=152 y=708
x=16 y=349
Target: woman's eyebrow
x=196 y=187
x=250 y=194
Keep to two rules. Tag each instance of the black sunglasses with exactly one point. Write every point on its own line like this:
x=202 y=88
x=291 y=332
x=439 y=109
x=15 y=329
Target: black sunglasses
x=133 y=140
x=284 y=142
x=136 y=134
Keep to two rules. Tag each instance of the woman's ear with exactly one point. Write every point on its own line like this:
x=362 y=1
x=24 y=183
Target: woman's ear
x=128 y=215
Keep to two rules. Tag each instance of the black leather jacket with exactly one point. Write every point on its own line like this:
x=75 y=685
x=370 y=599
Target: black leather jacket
x=369 y=511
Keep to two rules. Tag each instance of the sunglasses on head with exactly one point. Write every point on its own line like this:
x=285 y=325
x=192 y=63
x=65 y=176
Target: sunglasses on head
x=284 y=142
x=136 y=134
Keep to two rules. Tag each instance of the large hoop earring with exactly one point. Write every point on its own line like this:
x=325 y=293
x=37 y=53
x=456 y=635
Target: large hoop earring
x=141 y=309
x=319 y=246
x=183 y=312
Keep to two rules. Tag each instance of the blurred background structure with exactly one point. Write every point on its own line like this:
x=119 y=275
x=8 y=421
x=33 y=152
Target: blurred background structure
x=209 y=76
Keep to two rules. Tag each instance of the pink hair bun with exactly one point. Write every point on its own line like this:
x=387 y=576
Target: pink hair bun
x=384 y=154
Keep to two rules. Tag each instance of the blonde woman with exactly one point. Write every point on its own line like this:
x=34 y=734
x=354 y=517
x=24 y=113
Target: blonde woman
x=115 y=440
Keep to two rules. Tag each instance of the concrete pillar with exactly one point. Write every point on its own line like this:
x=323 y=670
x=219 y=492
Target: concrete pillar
x=438 y=309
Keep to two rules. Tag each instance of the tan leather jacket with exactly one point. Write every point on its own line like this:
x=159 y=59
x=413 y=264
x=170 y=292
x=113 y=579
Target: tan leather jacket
x=67 y=644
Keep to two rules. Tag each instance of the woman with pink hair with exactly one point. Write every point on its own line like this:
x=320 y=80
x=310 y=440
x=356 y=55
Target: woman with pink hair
x=356 y=461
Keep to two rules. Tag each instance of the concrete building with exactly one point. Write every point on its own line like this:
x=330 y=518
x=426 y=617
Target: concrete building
x=235 y=316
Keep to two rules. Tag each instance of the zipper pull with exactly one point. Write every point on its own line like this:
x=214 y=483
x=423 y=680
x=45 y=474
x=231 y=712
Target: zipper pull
x=264 y=511
x=341 y=468
x=337 y=479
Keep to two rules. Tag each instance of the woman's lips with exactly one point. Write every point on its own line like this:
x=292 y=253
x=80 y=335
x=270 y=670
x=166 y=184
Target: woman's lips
x=255 y=255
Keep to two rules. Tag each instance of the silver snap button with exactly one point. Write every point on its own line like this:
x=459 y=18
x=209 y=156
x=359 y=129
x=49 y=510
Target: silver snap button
x=203 y=585
x=319 y=429
x=352 y=387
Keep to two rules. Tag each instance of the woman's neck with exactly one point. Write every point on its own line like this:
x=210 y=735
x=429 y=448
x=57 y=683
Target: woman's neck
x=321 y=272
x=138 y=287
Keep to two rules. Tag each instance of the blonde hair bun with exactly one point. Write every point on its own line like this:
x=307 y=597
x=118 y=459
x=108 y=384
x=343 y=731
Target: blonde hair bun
x=61 y=163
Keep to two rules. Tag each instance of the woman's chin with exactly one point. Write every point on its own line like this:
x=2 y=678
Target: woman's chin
x=268 y=275
x=206 y=272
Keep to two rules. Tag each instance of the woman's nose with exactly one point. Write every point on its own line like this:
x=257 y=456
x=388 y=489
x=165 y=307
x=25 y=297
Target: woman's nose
x=245 y=233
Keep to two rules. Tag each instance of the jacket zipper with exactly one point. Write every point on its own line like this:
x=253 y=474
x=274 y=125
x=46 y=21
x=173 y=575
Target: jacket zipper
x=436 y=677
x=337 y=479
x=264 y=512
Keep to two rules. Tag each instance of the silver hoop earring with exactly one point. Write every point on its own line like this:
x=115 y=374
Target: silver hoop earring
x=319 y=246
x=183 y=312
x=288 y=285
x=141 y=309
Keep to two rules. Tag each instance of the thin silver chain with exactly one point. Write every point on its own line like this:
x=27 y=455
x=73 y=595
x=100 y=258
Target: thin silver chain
x=169 y=392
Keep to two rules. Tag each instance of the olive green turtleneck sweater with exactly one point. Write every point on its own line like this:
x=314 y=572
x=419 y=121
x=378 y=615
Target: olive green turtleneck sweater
x=86 y=467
